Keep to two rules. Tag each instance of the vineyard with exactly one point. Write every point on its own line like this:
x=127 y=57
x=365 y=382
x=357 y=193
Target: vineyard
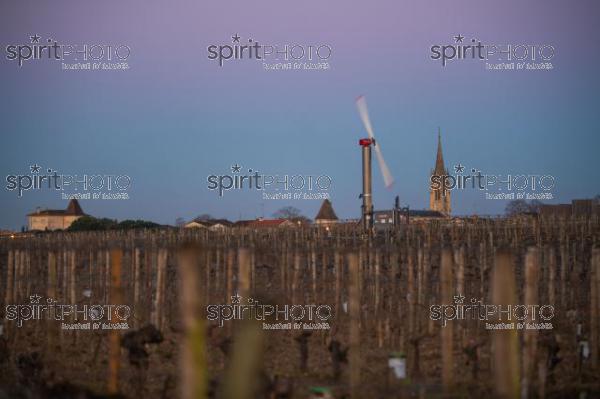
x=499 y=308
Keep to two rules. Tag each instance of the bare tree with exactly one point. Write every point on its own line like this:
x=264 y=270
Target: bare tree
x=289 y=212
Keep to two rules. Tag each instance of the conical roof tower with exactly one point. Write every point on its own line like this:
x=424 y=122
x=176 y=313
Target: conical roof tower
x=326 y=214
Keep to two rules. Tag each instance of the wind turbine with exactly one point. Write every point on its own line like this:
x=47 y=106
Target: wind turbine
x=365 y=143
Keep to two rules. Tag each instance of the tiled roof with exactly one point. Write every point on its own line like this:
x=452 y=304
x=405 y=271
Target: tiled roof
x=267 y=222
x=73 y=209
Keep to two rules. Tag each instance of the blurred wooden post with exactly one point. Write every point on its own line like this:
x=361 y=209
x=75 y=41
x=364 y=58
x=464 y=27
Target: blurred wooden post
x=295 y=276
x=482 y=268
x=207 y=278
x=354 y=310
x=73 y=285
x=551 y=265
x=377 y=277
x=338 y=271
x=193 y=356
x=98 y=280
x=252 y=269
x=244 y=273
x=246 y=360
x=218 y=272
x=283 y=261
x=9 y=279
x=114 y=356
x=28 y=274
x=420 y=273
x=530 y=336
x=136 y=285
x=161 y=264
x=73 y=277
x=595 y=309
x=563 y=274
x=106 y=275
x=18 y=267
x=313 y=268
x=412 y=297
x=51 y=293
x=378 y=314
x=447 y=293
x=459 y=261
x=229 y=274
x=505 y=341
x=460 y=273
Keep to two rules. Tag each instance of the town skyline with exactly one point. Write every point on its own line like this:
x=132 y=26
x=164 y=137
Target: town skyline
x=176 y=116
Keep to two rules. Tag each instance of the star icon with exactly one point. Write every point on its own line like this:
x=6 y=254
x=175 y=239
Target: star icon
x=459 y=168
x=236 y=38
x=458 y=298
x=459 y=38
x=236 y=299
x=35 y=298
x=35 y=168
x=236 y=168
x=35 y=38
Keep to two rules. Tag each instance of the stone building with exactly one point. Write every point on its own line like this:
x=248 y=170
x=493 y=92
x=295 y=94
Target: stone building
x=55 y=219
x=210 y=224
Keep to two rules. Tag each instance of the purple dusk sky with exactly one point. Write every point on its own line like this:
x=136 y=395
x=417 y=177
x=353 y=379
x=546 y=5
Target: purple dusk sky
x=176 y=117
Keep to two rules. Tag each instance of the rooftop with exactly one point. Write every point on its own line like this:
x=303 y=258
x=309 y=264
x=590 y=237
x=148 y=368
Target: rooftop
x=73 y=209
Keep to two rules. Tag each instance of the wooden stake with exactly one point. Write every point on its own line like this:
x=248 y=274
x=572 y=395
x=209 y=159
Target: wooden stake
x=505 y=341
x=530 y=335
x=354 y=310
x=116 y=297
x=193 y=356
x=447 y=293
x=595 y=309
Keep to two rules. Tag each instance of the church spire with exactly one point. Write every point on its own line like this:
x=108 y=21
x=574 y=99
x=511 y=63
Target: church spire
x=439 y=198
x=440 y=169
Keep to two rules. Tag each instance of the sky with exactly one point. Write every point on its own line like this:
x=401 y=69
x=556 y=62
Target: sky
x=176 y=117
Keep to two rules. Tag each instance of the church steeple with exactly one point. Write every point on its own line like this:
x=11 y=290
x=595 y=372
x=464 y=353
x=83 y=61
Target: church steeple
x=440 y=169
x=439 y=199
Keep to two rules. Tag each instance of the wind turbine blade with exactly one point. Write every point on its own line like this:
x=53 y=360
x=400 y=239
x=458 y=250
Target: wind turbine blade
x=361 y=104
x=388 y=179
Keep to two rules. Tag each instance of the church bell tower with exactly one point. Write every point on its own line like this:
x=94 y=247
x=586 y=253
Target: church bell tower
x=439 y=200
